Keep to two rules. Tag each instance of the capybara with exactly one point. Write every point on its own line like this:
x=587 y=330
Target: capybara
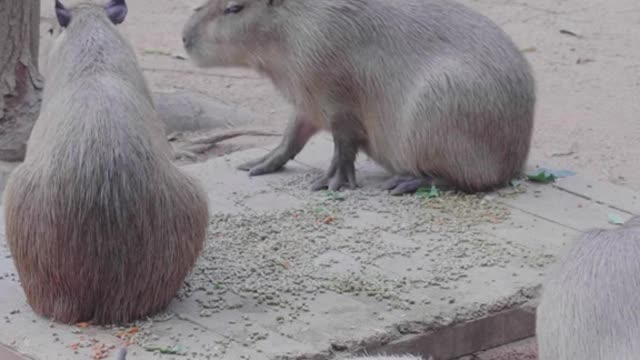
x=589 y=307
x=429 y=89
x=101 y=225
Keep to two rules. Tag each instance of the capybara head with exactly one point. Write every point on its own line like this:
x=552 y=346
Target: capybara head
x=77 y=21
x=115 y=10
x=227 y=32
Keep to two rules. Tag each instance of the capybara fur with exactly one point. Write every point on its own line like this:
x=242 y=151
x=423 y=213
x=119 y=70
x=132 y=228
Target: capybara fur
x=101 y=225
x=589 y=307
x=429 y=89
x=121 y=354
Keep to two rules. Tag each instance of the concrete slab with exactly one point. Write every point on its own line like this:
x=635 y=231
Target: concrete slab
x=521 y=350
x=8 y=354
x=292 y=274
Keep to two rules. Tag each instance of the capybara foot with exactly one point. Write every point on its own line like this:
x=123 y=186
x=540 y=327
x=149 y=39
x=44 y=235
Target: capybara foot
x=341 y=174
x=272 y=162
x=296 y=136
x=400 y=185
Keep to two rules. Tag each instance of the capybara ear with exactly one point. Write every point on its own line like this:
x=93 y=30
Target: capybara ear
x=117 y=11
x=63 y=14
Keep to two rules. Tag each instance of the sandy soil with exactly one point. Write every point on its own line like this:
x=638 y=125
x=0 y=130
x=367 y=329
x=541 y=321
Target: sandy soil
x=585 y=53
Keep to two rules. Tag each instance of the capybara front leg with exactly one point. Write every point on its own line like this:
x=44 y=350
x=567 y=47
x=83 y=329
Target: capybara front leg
x=342 y=171
x=295 y=138
x=348 y=137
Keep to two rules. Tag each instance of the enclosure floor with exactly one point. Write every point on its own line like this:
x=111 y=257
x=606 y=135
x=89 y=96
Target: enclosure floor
x=293 y=274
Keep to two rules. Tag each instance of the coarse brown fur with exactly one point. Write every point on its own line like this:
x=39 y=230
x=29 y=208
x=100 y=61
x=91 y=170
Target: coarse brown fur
x=101 y=225
x=589 y=307
x=427 y=88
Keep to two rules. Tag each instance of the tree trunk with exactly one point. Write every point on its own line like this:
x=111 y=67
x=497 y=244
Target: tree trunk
x=20 y=81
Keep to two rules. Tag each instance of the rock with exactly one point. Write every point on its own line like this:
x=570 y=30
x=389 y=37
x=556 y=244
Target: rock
x=188 y=111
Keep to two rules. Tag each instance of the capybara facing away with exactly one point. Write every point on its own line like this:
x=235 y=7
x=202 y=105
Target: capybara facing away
x=589 y=307
x=429 y=89
x=101 y=225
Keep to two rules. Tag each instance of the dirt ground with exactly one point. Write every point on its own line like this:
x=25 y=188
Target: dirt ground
x=585 y=53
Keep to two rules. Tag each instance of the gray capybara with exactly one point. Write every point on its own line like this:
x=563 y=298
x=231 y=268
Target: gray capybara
x=589 y=307
x=101 y=225
x=429 y=89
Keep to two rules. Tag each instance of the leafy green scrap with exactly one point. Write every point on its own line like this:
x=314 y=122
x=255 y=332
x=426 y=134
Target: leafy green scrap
x=546 y=176
x=429 y=193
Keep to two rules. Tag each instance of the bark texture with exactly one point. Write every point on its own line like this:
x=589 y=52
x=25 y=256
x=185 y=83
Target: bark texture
x=20 y=81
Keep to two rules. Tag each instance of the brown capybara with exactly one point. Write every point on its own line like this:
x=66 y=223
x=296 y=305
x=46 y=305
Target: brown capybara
x=101 y=225
x=429 y=89
x=589 y=307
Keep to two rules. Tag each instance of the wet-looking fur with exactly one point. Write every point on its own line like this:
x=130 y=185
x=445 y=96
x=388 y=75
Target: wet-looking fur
x=427 y=88
x=101 y=225
x=589 y=307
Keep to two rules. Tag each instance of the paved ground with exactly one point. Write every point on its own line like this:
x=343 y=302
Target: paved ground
x=289 y=274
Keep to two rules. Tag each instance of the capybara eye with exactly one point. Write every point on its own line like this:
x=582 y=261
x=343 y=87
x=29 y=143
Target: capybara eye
x=233 y=9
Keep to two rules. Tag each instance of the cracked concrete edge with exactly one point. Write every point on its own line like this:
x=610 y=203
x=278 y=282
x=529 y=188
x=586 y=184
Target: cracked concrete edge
x=468 y=337
x=477 y=329
x=9 y=353
x=504 y=323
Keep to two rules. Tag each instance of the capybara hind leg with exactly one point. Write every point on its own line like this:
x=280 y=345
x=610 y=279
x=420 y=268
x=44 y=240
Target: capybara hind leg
x=395 y=181
x=400 y=185
x=295 y=138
